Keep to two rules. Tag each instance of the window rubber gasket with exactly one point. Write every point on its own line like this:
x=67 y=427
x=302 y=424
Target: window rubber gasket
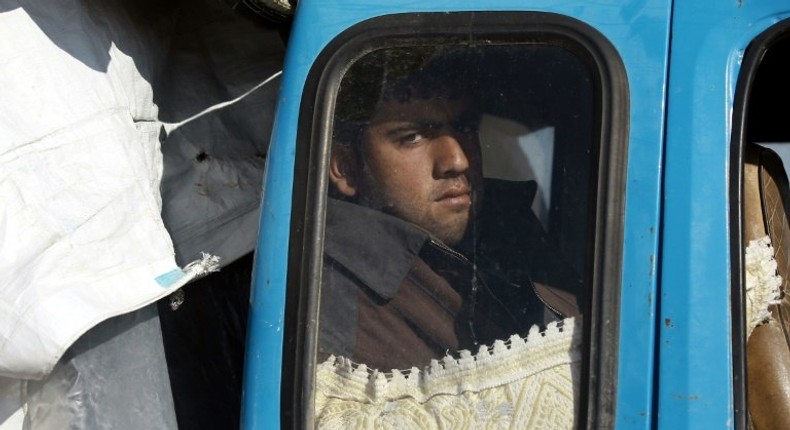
x=597 y=406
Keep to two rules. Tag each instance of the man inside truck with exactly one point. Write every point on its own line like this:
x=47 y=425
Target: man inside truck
x=422 y=255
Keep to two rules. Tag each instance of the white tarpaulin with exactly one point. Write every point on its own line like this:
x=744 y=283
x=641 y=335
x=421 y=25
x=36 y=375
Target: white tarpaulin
x=93 y=93
x=82 y=234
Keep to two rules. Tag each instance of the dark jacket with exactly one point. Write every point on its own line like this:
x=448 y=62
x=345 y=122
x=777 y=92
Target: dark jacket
x=394 y=297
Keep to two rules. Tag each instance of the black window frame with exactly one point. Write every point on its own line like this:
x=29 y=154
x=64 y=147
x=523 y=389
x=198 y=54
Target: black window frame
x=601 y=334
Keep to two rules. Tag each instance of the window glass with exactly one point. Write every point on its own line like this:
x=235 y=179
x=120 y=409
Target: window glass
x=458 y=217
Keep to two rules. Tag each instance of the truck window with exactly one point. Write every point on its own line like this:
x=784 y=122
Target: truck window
x=463 y=177
x=762 y=130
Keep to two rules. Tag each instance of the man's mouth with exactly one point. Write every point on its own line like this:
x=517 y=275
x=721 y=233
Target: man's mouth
x=456 y=196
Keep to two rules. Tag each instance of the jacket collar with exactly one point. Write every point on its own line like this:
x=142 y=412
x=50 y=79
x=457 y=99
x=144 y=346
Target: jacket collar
x=377 y=248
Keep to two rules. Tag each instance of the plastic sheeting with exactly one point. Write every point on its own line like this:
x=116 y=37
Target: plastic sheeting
x=83 y=237
x=114 y=377
x=216 y=97
x=103 y=104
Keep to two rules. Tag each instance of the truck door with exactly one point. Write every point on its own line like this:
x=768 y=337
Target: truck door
x=567 y=98
x=713 y=127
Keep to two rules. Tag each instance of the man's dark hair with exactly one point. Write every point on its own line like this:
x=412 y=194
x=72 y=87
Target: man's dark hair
x=400 y=74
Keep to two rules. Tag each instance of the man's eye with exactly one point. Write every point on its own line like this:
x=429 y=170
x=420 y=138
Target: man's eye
x=411 y=138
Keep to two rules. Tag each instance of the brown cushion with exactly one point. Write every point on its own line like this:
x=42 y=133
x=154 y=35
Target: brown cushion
x=768 y=353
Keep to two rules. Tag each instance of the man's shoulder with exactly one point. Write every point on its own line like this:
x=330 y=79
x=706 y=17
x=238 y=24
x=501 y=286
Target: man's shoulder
x=375 y=248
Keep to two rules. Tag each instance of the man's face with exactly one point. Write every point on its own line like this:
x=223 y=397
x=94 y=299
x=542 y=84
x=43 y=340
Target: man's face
x=421 y=162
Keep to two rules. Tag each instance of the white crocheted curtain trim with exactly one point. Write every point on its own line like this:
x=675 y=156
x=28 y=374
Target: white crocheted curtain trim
x=763 y=283
x=518 y=383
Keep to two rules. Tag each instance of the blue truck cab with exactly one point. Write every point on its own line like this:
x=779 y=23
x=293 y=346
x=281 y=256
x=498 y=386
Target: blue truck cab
x=637 y=120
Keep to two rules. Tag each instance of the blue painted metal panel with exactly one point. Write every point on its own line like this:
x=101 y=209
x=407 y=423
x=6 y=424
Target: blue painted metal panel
x=695 y=364
x=639 y=32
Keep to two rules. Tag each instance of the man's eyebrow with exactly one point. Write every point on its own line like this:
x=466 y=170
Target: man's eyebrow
x=403 y=126
x=408 y=126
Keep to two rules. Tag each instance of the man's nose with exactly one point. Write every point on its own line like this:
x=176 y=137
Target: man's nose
x=450 y=159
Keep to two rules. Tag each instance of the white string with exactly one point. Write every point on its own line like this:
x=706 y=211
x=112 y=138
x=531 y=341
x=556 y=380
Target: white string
x=172 y=126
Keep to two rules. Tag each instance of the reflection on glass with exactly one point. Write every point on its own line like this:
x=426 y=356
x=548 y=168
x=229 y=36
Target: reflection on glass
x=457 y=218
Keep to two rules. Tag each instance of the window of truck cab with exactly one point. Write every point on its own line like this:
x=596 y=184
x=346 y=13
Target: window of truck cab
x=761 y=145
x=457 y=202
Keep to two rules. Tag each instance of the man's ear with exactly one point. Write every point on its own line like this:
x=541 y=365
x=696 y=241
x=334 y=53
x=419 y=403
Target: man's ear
x=343 y=170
